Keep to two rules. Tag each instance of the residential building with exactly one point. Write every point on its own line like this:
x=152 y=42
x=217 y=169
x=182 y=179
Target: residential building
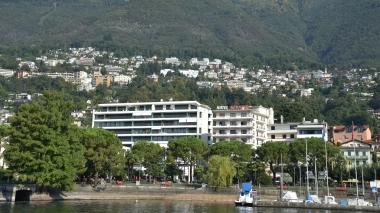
x=101 y=79
x=245 y=123
x=158 y=122
x=293 y=130
x=341 y=134
x=6 y=72
x=308 y=129
x=357 y=150
x=85 y=61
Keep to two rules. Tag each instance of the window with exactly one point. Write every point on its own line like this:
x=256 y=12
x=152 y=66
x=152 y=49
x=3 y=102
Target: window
x=222 y=115
x=244 y=131
x=363 y=153
x=272 y=136
x=244 y=123
x=291 y=135
x=272 y=128
x=233 y=115
x=360 y=129
x=293 y=127
x=359 y=137
x=284 y=136
x=348 y=153
x=244 y=114
x=348 y=129
x=200 y=114
x=222 y=123
x=233 y=132
x=233 y=123
x=223 y=132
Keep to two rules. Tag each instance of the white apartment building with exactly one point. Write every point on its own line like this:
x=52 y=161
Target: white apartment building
x=157 y=122
x=290 y=131
x=245 y=123
x=122 y=79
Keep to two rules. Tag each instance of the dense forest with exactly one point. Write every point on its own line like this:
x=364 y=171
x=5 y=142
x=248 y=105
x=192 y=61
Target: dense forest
x=333 y=32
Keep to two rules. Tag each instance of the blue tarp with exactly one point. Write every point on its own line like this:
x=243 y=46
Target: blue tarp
x=246 y=187
x=308 y=197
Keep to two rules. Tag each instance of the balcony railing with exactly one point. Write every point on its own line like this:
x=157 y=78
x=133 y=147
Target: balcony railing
x=358 y=157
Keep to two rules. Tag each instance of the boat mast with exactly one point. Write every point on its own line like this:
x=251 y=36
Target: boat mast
x=327 y=168
x=281 y=179
x=307 y=170
x=356 y=171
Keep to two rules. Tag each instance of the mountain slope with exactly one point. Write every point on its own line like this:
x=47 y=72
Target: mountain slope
x=332 y=31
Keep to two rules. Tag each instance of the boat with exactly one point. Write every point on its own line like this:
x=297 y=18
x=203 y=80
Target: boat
x=330 y=200
x=355 y=202
x=247 y=195
x=290 y=196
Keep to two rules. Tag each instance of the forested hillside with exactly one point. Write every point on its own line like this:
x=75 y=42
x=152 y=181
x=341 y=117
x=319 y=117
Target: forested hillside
x=247 y=31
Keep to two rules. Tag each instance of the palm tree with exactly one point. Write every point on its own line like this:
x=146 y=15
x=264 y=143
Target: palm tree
x=340 y=162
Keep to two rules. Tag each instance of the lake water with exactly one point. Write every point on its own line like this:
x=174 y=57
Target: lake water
x=143 y=206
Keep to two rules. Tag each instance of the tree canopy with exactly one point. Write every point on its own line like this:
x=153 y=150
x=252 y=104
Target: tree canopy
x=104 y=152
x=188 y=149
x=43 y=147
x=221 y=171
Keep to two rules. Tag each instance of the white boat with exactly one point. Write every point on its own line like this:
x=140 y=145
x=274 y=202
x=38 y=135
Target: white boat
x=330 y=200
x=246 y=196
x=356 y=202
x=290 y=196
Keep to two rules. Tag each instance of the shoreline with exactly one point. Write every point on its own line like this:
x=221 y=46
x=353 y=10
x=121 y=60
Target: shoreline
x=136 y=193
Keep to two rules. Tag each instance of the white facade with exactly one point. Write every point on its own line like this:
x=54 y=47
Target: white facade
x=122 y=79
x=282 y=132
x=6 y=72
x=157 y=122
x=245 y=123
x=290 y=131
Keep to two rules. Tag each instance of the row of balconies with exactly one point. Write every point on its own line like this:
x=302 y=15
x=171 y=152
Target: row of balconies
x=358 y=157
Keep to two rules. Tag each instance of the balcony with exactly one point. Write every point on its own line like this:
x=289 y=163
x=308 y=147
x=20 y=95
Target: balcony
x=358 y=157
x=233 y=135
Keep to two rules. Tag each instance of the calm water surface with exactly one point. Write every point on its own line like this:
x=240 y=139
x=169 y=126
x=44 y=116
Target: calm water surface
x=143 y=206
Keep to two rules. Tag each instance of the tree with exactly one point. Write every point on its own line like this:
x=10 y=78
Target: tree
x=130 y=160
x=188 y=149
x=237 y=150
x=3 y=138
x=220 y=173
x=151 y=156
x=339 y=162
x=271 y=153
x=44 y=147
x=103 y=151
x=315 y=150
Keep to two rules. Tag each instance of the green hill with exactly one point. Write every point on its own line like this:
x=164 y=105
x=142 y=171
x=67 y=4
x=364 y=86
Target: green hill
x=329 y=31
